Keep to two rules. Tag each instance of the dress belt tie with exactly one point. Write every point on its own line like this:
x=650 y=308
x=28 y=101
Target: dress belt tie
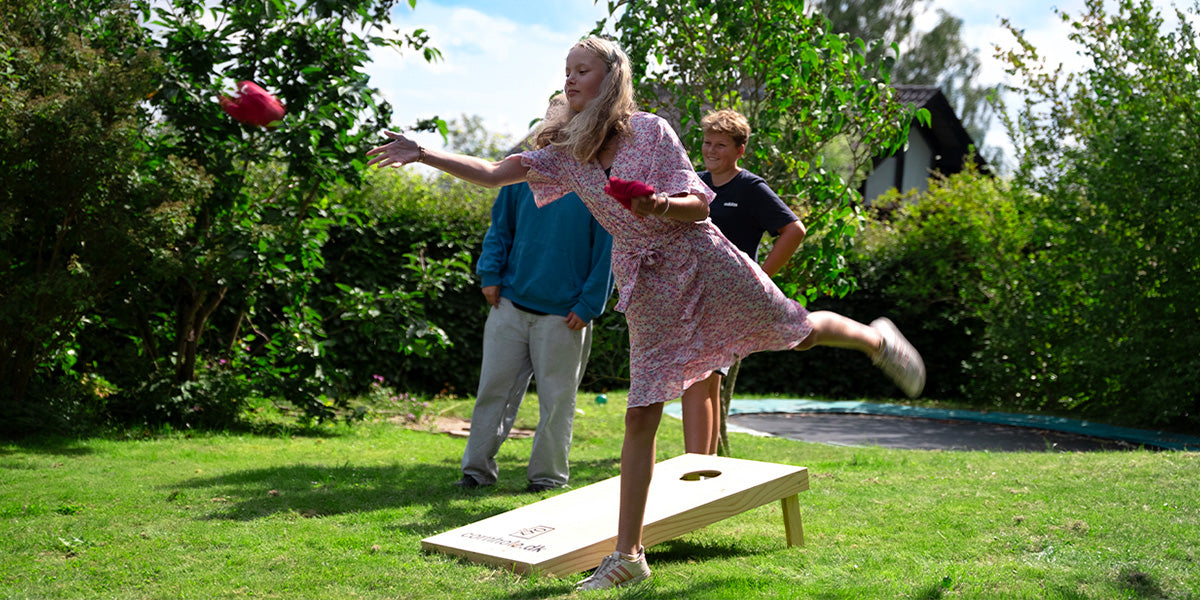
x=646 y=257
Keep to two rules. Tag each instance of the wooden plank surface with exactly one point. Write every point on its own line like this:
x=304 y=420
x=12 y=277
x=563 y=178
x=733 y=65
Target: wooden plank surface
x=572 y=531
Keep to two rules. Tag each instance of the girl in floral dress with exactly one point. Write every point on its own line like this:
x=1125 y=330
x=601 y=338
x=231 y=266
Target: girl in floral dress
x=692 y=301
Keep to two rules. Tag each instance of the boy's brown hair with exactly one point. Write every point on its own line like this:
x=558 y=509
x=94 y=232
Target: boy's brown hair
x=728 y=122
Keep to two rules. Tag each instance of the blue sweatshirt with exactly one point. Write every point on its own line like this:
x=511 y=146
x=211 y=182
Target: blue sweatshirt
x=555 y=259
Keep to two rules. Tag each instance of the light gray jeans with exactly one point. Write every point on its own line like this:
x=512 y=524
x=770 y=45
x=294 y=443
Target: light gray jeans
x=516 y=346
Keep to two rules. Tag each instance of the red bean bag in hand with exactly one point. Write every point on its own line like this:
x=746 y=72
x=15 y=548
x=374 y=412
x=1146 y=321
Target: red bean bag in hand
x=252 y=105
x=624 y=190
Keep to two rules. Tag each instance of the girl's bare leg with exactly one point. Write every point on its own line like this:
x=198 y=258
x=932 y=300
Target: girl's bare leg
x=880 y=341
x=701 y=415
x=637 y=467
x=832 y=329
x=714 y=392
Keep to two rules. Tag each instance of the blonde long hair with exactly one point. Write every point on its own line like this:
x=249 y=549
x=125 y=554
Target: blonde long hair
x=584 y=134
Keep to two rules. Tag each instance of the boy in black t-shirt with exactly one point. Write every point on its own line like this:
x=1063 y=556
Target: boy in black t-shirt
x=744 y=209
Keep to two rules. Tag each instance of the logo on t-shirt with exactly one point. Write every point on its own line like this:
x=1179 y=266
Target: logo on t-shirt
x=730 y=204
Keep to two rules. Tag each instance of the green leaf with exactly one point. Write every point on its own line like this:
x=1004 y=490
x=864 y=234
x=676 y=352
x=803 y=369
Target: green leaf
x=924 y=117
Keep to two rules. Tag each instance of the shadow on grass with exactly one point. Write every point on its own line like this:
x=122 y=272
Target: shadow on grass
x=1139 y=583
x=672 y=551
x=287 y=429
x=312 y=491
x=51 y=446
x=934 y=591
x=681 y=550
x=63 y=445
x=648 y=590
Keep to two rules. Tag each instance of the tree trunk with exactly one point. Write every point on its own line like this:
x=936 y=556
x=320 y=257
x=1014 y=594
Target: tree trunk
x=195 y=307
x=726 y=397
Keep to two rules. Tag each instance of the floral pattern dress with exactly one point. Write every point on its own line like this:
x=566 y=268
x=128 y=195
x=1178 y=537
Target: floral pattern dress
x=692 y=300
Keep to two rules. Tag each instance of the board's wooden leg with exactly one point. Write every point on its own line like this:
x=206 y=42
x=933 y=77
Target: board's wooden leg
x=791 y=520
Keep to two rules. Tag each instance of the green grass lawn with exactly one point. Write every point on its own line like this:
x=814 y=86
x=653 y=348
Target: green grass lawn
x=339 y=512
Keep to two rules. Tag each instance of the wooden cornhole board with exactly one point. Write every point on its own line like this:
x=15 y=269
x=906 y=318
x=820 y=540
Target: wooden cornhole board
x=573 y=531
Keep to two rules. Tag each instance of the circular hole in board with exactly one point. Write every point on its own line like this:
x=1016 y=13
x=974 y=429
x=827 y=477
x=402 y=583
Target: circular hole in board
x=700 y=475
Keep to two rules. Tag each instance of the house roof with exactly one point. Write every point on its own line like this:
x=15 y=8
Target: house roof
x=919 y=95
x=945 y=128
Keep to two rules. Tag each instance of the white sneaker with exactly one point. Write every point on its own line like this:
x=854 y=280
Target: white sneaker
x=616 y=570
x=898 y=359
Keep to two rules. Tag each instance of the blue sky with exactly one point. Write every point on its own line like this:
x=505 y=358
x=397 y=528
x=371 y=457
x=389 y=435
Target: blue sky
x=504 y=58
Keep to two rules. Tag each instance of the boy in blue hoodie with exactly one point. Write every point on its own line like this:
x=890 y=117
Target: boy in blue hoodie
x=546 y=273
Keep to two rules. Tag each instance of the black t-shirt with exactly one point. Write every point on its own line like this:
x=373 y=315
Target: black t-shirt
x=745 y=208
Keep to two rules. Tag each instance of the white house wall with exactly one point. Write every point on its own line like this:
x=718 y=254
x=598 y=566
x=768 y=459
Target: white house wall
x=918 y=160
x=881 y=179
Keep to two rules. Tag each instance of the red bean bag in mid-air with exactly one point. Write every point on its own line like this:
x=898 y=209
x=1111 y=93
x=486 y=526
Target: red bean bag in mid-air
x=252 y=105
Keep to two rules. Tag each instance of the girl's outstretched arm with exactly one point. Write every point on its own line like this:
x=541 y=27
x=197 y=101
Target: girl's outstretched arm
x=688 y=207
x=402 y=151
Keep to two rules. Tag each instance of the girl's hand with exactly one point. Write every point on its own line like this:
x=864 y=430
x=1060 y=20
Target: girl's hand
x=654 y=204
x=397 y=153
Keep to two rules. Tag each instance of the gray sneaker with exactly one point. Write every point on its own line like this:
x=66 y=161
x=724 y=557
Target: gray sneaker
x=615 y=570
x=898 y=359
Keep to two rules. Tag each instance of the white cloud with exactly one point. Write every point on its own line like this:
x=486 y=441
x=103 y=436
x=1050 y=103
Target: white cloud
x=492 y=66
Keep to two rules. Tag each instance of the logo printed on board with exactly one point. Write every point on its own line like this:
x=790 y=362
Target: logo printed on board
x=531 y=532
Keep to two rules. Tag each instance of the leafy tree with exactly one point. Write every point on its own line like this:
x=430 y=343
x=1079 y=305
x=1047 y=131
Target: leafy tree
x=1108 y=312
x=81 y=195
x=176 y=238
x=248 y=233
x=888 y=22
x=803 y=88
x=467 y=135
x=938 y=57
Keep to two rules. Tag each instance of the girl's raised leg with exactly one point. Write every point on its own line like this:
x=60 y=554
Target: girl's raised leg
x=880 y=340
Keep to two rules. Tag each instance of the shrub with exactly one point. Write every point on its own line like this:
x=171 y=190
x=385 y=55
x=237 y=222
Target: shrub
x=608 y=363
x=414 y=234
x=1109 y=306
x=937 y=264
